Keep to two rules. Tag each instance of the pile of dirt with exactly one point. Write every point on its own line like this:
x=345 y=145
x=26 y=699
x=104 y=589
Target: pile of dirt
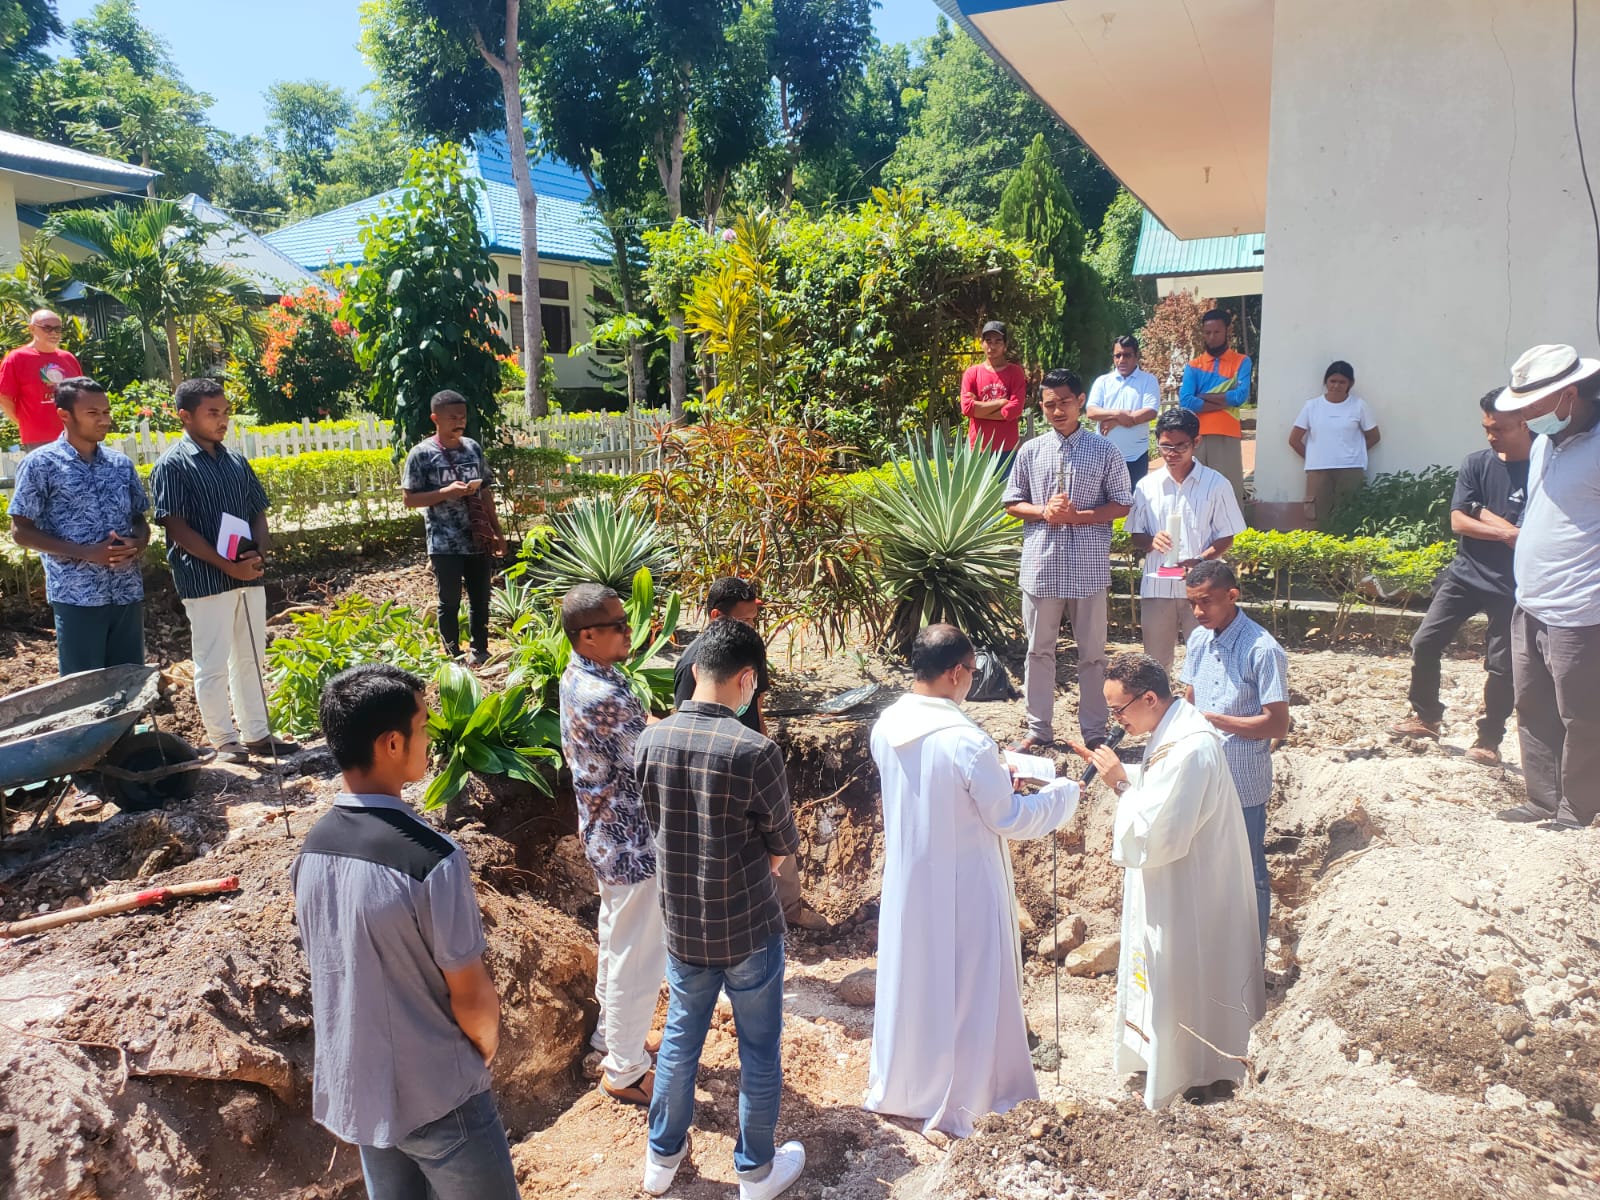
x=163 y=1052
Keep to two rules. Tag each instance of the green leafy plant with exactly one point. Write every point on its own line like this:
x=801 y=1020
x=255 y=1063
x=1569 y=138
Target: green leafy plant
x=947 y=549
x=322 y=645
x=540 y=649
x=305 y=367
x=1413 y=506
x=496 y=734
x=596 y=541
x=422 y=303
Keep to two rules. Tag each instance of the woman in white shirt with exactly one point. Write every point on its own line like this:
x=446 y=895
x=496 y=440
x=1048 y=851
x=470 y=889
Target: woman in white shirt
x=1333 y=433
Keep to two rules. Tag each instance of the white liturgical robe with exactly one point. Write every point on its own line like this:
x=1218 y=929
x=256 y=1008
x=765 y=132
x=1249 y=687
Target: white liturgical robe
x=1191 y=949
x=949 y=1042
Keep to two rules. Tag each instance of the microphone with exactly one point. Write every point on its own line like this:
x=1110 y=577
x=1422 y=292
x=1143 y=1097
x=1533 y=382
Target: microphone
x=1113 y=740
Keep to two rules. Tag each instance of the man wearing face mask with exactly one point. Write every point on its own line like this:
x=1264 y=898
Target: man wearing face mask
x=717 y=799
x=1555 y=629
x=949 y=1042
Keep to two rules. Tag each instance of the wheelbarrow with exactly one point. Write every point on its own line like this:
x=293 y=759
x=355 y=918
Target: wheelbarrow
x=83 y=724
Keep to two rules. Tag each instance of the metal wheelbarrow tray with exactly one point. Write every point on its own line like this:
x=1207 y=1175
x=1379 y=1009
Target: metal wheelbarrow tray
x=70 y=724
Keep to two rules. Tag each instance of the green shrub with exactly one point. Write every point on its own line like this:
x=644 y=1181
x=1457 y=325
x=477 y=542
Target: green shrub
x=496 y=734
x=1409 y=506
x=149 y=401
x=599 y=542
x=300 y=664
x=947 y=550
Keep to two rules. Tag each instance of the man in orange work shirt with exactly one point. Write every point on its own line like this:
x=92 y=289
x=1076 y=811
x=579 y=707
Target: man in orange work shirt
x=1214 y=384
x=28 y=378
x=992 y=395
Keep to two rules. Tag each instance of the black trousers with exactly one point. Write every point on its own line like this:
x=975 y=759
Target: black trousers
x=1453 y=603
x=1558 y=715
x=451 y=571
x=1138 y=468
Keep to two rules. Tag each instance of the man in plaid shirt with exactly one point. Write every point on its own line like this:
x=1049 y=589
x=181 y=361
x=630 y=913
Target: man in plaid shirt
x=1067 y=487
x=717 y=800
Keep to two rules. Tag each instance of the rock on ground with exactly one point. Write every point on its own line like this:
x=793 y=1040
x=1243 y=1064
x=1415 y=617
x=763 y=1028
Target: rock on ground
x=1097 y=956
x=1066 y=936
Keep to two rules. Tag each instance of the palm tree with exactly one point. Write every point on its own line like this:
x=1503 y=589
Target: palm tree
x=147 y=258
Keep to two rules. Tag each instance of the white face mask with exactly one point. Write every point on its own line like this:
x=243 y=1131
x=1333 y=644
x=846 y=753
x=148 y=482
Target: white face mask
x=749 y=695
x=1549 y=424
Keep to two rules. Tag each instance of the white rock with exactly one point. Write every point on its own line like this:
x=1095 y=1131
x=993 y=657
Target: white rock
x=1542 y=1001
x=1500 y=1097
x=1097 y=956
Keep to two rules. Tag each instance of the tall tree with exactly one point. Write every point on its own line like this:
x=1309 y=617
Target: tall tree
x=968 y=122
x=147 y=258
x=303 y=121
x=243 y=181
x=113 y=30
x=1130 y=301
x=1037 y=209
x=818 y=48
x=369 y=156
x=26 y=27
x=432 y=56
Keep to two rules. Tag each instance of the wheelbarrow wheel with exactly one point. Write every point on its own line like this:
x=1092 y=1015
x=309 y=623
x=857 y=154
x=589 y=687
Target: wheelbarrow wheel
x=147 y=770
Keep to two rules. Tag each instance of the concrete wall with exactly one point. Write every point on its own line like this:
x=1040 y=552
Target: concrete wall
x=1426 y=214
x=10 y=233
x=570 y=372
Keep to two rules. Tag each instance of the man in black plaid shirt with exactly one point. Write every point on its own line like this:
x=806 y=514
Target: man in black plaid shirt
x=717 y=800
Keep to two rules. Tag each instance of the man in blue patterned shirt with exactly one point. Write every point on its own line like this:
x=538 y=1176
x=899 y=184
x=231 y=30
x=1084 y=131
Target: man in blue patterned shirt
x=1238 y=677
x=601 y=719
x=81 y=506
x=1067 y=487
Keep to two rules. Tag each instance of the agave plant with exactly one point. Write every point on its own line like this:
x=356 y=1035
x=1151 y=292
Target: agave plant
x=598 y=541
x=498 y=734
x=948 y=550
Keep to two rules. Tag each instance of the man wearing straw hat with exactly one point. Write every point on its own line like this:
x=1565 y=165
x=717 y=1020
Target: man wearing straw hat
x=1555 y=630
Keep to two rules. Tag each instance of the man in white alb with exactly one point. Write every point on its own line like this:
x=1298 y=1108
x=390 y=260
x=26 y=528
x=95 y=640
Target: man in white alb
x=949 y=1042
x=1185 y=513
x=1190 y=970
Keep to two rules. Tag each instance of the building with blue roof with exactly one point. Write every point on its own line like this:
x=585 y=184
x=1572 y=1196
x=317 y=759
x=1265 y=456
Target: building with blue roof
x=572 y=242
x=35 y=175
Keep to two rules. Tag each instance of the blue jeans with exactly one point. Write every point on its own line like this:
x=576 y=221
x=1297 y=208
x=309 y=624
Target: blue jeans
x=89 y=637
x=755 y=988
x=1255 y=824
x=461 y=1156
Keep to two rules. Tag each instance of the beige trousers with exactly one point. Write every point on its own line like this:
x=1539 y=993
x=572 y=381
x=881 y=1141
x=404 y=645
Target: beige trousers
x=229 y=636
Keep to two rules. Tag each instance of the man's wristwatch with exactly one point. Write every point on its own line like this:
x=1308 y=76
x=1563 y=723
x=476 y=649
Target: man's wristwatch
x=1121 y=786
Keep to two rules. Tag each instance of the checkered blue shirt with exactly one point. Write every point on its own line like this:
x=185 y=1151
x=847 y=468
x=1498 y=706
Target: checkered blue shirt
x=1237 y=673
x=1067 y=562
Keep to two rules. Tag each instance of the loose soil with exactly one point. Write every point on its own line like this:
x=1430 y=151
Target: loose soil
x=1433 y=1028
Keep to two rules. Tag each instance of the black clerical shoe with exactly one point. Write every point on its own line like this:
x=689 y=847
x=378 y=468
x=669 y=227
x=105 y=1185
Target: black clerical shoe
x=1521 y=815
x=1561 y=825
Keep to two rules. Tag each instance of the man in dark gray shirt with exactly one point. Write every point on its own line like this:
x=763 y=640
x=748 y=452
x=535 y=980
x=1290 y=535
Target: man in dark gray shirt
x=717 y=800
x=406 y=1015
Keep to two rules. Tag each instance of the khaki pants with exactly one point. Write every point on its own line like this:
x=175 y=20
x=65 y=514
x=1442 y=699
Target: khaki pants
x=229 y=635
x=1164 y=621
x=1325 y=490
x=1225 y=456
x=1041 y=617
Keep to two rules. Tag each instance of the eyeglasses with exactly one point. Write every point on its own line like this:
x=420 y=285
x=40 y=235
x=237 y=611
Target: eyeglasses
x=1168 y=451
x=621 y=625
x=1117 y=712
x=48 y=328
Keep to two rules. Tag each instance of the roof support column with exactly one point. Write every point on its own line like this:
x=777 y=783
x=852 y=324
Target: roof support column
x=10 y=231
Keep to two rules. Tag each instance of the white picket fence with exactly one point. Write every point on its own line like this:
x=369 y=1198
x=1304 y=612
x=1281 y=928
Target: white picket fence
x=604 y=442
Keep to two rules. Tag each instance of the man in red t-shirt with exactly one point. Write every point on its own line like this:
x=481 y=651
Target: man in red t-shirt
x=28 y=378
x=993 y=393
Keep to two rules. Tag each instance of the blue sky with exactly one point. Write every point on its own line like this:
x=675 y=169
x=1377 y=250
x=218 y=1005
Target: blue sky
x=234 y=51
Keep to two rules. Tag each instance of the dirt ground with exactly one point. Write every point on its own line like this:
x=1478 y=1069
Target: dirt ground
x=1433 y=1027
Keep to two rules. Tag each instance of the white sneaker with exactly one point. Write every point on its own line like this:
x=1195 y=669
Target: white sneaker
x=660 y=1172
x=787 y=1164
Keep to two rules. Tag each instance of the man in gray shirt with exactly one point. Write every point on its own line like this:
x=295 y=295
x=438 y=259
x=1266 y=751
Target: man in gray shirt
x=406 y=1015
x=1555 y=628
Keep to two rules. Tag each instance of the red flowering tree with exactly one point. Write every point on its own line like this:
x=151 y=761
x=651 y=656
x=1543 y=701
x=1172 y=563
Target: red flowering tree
x=306 y=367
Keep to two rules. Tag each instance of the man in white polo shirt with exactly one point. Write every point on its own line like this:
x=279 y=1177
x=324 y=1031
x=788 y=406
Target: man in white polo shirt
x=1123 y=402
x=1555 y=630
x=1197 y=504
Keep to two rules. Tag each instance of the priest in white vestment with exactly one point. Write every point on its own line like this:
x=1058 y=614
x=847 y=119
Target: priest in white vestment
x=949 y=1041
x=1191 y=948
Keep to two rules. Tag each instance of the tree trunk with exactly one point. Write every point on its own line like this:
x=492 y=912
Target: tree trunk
x=669 y=162
x=174 y=367
x=509 y=68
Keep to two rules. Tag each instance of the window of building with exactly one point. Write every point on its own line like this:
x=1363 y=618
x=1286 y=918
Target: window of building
x=557 y=320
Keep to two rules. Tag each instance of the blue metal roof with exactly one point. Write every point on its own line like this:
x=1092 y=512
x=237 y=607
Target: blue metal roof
x=1161 y=253
x=32 y=157
x=568 y=228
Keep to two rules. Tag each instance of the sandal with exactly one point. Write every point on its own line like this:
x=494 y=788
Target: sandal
x=634 y=1093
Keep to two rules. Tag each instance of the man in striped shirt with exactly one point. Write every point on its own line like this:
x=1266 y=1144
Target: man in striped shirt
x=196 y=483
